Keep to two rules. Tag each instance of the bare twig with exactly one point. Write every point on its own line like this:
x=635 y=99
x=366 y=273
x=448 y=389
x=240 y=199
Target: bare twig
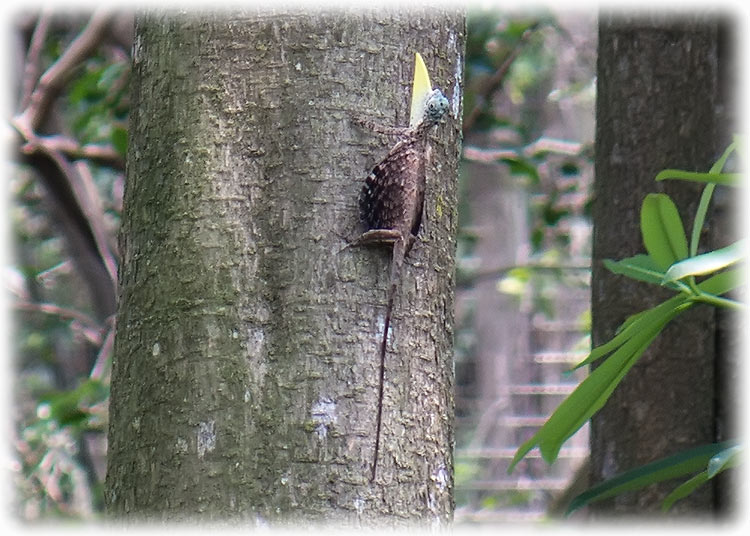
x=541 y=145
x=495 y=81
x=64 y=312
x=501 y=271
x=81 y=185
x=53 y=80
x=79 y=220
x=33 y=56
x=92 y=206
x=102 y=154
x=103 y=364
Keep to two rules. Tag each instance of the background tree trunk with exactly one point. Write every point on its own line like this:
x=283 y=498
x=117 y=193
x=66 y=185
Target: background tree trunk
x=244 y=382
x=660 y=103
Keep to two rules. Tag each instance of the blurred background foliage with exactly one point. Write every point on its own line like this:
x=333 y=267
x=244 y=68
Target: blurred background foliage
x=522 y=304
x=70 y=112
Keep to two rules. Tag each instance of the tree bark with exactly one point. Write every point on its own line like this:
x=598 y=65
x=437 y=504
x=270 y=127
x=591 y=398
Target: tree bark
x=244 y=382
x=660 y=104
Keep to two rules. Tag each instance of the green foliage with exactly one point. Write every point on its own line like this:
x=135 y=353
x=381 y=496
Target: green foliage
x=97 y=103
x=508 y=56
x=671 y=263
x=74 y=407
x=663 y=234
x=707 y=263
x=511 y=72
x=60 y=403
x=681 y=464
x=727 y=179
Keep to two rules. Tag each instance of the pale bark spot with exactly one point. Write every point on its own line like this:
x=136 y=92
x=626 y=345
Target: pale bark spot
x=206 y=437
x=323 y=415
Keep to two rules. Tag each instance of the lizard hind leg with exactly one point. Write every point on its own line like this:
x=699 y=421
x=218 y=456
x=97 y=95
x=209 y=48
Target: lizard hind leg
x=370 y=238
x=377 y=236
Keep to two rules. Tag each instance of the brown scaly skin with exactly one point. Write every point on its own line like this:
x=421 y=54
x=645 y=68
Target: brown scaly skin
x=391 y=205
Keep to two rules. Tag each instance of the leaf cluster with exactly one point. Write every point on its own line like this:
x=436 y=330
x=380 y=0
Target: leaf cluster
x=670 y=261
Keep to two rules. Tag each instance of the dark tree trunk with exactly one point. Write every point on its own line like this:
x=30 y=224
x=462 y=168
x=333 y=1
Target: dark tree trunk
x=660 y=103
x=244 y=383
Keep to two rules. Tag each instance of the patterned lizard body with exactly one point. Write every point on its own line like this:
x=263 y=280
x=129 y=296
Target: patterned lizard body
x=391 y=205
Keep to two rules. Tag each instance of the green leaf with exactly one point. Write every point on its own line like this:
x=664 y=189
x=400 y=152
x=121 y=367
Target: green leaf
x=674 y=466
x=727 y=179
x=662 y=230
x=718 y=284
x=708 y=190
x=85 y=87
x=634 y=324
x=110 y=74
x=722 y=283
x=738 y=143
x=71 y=407
x=723 y=460
x=120 y=140
x=521 y=166
x=639 y=267
x=706 y=263
x=683 y=490
x=592 y=393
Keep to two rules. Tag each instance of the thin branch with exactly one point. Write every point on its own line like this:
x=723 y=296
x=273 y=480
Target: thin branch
x=103 y=364
x=495 y=81
x=33 y=56
x=78 y=219
x=92 y=206
x=102 y=154
x=64 y=312
x=53 y=80
x=473 y=278
x=81 y=185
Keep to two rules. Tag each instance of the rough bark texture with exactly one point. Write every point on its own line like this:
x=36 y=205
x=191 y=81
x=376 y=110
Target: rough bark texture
x=244 y=383
x=660 y=103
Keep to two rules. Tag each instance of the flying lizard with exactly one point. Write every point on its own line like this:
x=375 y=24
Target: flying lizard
x=392 y=200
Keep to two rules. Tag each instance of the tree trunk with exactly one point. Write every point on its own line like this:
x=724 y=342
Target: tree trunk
x=245 y=378
x=660 y=104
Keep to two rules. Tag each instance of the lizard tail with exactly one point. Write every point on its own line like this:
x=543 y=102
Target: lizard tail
x=399 y=251
x=381 y=382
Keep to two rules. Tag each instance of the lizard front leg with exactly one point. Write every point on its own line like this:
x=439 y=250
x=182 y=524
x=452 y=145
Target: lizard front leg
x=370 y=125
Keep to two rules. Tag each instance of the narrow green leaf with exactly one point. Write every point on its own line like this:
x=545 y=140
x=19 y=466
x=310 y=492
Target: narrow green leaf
x=662 y=231
x=639 y=267
x=632 y=325
x=683 y=490
x=723 y=460
x=722 y=282
x=708 y=191
x=682 y=463
x=523 y=450
x=739 y=142
x=718 y=284
x=712 y=261
x=592 y=393
x=727 y=179
x=700 y=217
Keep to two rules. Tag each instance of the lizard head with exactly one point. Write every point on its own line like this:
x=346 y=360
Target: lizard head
x=435 y=107
x=428 y=106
